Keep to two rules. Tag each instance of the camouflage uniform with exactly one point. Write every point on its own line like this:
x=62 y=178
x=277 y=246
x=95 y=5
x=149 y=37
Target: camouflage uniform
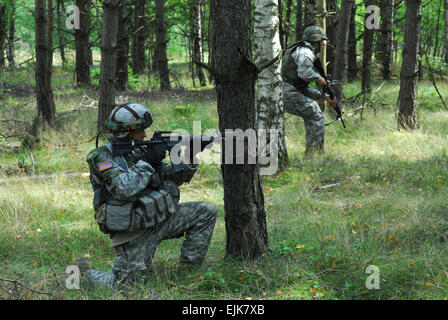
x=301 y=100
x=122 y=180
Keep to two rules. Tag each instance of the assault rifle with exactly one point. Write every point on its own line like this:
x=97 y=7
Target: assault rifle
x=164 y=138
x=328 y=89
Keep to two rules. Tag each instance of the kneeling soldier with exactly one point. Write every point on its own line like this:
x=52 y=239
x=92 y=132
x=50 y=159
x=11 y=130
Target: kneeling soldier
x=136 y=201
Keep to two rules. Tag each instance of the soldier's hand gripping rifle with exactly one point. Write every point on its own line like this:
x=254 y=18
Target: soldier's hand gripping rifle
x=161 y=142
x=327 y=89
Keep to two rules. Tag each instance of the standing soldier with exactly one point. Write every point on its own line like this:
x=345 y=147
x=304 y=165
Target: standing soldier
x=299 y=97
x=136 y=202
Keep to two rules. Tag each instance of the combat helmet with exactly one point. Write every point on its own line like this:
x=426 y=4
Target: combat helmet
x=126 y=119
x=314 y=34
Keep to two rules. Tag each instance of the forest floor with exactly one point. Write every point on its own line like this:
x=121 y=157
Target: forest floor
x=389 y=209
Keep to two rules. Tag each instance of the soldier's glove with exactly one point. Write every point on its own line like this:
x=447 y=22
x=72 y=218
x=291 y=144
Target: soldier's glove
x=154 y=155
x=155 y=181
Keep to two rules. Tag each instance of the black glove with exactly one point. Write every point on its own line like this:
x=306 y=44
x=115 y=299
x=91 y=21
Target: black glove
x=154 y=155
x=155 y=182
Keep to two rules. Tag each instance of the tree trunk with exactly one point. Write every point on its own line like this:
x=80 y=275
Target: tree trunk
x=196 y=40
x=59 y=10
x=82 y=36
x=111 y=9
x=12 y=30
x=50 y=39
x=245 y=216
x=445 y=33
x=161 y=41
x=44 y=92
x=287 y=25
x=309 y=13
x=367 y=52
x=3 y=22
x=436 y=46
x=299 y=20
x=138 y=39
x=352 y=68
x=122 y=49
x=386 y=37
x=339 y=72
x=332 y=31
x=270 y=97
x=407 y=116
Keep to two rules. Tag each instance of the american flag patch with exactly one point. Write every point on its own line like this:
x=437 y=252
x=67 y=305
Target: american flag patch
x=105 y=165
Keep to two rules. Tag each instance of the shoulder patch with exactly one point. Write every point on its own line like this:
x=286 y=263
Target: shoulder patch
x=105 y=165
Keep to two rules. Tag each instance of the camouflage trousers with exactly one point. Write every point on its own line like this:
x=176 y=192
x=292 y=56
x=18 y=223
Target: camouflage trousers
x=297 y=103
x=194 y=219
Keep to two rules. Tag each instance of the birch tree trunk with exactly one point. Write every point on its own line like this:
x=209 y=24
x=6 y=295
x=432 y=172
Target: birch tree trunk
x=339 y=72
x=108 y=60
x=407 y=115
x=269 y=96
x=196 y=40
x=245 y=217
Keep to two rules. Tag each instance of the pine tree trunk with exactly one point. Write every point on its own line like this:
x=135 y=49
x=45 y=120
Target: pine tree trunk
x=299 y=20
x=122 y=50
x=50 y=39
x=269 y=96
x=138 y=42
x=111 y=9
x=436 y=46
x=339 y=71
x=287 y=27
x=332 y=31
x=59 y=10
x=352 y=68
x=386 y=37
x=3 y=22
x=82 y=38
x=245 y=216
x=44 y=92
x=309 y=11
x=161 y=41
x=445 y=33
x=407 y=116
x=11 y=36
x=367 y=52
x=196 y=40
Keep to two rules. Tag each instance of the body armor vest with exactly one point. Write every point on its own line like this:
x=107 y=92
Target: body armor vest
x=289 y=67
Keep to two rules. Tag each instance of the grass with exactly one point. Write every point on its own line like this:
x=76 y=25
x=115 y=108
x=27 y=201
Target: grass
x=390 y=209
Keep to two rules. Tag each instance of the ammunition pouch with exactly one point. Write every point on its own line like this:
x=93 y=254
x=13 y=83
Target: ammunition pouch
x=149 y=209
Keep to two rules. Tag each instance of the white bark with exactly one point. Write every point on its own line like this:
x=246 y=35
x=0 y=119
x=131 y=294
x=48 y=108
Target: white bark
x=269 y=94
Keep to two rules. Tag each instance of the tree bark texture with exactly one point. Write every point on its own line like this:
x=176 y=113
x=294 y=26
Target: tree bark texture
x=352 y=66
x=122 y=49
x=44 y=92
x=108 y=60
x=196 y=40
x=339 y=71
x=60 y=23
x=407 y=115
x=82 y=42
x=332 y=31
x=367 y=52
x=299 y=20
x=11 y=35
x=3 y=34
x=235 y=77
x=138 y=39
x=309 y=12
x=386 y=37
x=161 y=58
x=269 y=95
x=445 y=33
